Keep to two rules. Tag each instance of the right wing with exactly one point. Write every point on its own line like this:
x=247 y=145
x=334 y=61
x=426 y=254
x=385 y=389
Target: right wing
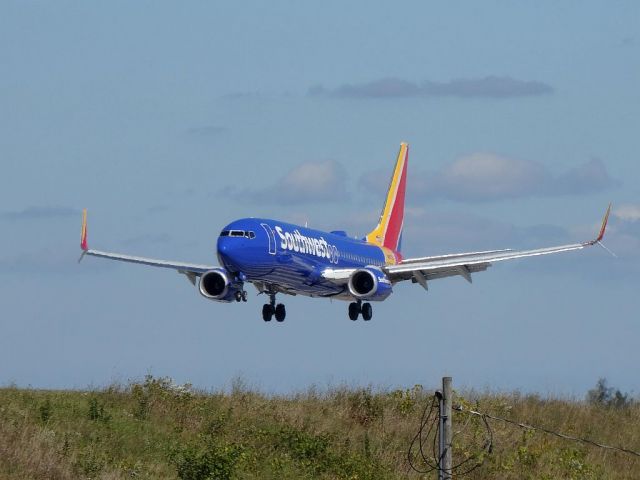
x=420 y=270
x=192 y=270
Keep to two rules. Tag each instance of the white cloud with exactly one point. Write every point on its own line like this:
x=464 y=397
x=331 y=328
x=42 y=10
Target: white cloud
x=485 y=87
x=309 y=182
x=39 y=213
x=316 y=180
x=487 y=177
x=627 y=212
x=591 y=176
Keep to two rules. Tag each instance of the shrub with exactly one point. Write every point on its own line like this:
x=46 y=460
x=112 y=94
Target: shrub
x=90 y=462
x=605 y=396
x=573 y=465
x=206 y=461
x=97 y=412
x=405 y=400
x=45 y=411
x=303 y=446
x=156 y=390
x=141 y=397
x=364 y=407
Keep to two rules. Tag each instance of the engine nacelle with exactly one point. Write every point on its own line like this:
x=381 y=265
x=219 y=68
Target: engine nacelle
x=369 y=283
x=217 y=285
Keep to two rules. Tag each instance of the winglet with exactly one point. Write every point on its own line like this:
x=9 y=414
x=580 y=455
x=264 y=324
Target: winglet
x=83 y=233
x=604 y=225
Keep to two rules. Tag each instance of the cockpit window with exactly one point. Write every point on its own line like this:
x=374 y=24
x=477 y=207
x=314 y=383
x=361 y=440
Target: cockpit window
x=238 y=233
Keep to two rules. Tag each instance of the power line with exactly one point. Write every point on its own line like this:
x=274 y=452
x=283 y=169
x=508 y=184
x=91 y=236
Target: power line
x=432 y=459
x=433 y=427
x=564 y=436
x=421 y=438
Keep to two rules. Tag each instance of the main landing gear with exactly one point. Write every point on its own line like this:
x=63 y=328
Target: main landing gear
x=357 y=308
x=271 y=309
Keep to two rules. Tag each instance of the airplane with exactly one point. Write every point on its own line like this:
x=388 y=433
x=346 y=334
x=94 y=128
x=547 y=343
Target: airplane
x=283 y=258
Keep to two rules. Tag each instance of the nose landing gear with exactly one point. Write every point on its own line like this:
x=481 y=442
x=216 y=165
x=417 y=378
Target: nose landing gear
x=356 y=308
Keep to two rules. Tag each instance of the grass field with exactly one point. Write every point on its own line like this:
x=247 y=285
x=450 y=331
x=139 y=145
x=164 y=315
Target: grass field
x=154 y=429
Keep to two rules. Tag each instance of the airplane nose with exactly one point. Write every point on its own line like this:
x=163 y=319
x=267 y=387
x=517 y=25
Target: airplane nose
x=224 y=247
x=227 y=251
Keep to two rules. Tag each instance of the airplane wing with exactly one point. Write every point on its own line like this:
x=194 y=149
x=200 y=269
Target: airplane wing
x=421 y=270
x=190 y=269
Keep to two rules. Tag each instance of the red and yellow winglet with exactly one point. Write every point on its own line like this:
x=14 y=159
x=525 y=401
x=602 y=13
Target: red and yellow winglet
x=604 y=225
x=83 y=232
x=603 y=229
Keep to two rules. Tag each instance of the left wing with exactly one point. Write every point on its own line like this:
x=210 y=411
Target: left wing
x=430 y=268
x=190 y=269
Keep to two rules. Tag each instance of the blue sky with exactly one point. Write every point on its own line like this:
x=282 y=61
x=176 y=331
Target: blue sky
x=167 y=122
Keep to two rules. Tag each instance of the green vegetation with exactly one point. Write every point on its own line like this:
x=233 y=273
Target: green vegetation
x=605 y=396
x=155 y=429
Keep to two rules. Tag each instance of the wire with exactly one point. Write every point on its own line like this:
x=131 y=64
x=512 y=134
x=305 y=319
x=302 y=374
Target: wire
x=421 y=438
x=587 y=441
x=434 y=461
x=487 y=447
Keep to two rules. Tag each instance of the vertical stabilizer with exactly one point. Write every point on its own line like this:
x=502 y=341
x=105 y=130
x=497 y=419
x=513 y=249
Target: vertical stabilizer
x=388 y=233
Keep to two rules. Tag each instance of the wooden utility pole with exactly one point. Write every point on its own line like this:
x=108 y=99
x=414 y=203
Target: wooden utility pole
x=446 y=421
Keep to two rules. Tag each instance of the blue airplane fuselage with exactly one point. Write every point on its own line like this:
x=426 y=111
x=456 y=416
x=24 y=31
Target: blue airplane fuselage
x=292 y=256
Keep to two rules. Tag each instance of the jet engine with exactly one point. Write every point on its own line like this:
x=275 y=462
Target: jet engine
x=369 y=283
x=217 y=285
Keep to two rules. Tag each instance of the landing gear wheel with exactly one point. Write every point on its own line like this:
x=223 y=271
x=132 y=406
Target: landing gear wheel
x=267 y=312
x=244 y=296
x=238 y=296
x=367 y=311
x=354 y=310
x=280 y=312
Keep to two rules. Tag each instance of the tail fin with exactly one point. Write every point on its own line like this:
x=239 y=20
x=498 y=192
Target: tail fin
x=388 y=233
